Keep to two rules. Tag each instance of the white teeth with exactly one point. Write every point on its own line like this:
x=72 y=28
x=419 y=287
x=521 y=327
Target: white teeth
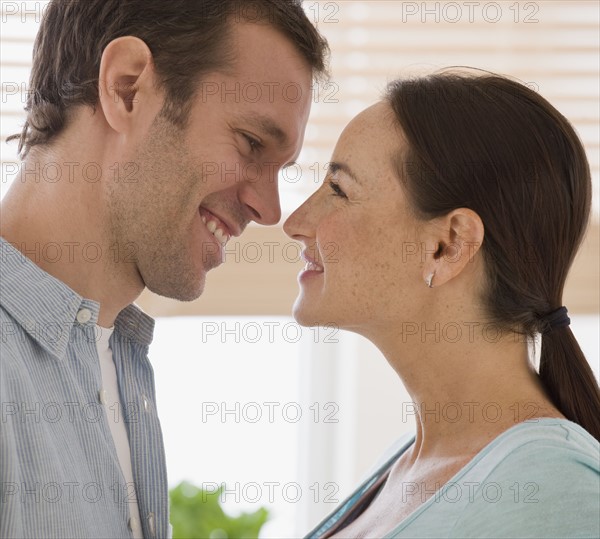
x=220 y=235
x=312 y=267
x=216 y=232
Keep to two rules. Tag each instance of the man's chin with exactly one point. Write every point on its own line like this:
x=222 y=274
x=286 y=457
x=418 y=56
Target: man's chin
x=180 y=291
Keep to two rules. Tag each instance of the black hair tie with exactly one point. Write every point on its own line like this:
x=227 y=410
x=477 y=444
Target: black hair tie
x=555 y=319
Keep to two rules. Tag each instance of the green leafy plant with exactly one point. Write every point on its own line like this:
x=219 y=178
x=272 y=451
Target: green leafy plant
x=197 y=514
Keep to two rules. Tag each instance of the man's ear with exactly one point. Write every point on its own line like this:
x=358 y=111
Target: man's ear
x=126 y=79
x=452 y=242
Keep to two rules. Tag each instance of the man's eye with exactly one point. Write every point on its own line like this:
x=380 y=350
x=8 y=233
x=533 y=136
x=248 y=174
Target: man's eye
x=254 y=144
x=337 y=190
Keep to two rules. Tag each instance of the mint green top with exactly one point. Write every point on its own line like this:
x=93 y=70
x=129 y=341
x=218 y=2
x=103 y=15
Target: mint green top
x=540 y=478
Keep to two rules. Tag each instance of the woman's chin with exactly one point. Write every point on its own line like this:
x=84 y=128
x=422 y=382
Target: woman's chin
x=306 y=316
x=303 y=319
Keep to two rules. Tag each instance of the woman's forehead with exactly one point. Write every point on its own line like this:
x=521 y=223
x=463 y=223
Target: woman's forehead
x=373 y=132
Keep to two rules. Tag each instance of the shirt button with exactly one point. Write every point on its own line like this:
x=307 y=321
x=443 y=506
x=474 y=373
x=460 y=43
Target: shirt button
x=151 y=524
x=145 y=401
x=84 y=316
x=102 y=396
x=134 y=524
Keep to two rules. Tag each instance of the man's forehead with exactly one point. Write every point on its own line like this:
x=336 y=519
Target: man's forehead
x=263 y=54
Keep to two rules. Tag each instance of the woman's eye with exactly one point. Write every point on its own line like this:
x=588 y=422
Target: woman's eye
x=254 y=144
x=337 y=190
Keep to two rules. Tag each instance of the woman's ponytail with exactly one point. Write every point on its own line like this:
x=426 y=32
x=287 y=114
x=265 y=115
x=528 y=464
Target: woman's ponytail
x=569 y=380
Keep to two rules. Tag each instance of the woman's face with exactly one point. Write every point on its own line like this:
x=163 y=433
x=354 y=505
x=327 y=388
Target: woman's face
x=360 y=234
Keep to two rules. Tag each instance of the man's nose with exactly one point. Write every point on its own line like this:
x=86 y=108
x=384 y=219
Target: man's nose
x=261 y=197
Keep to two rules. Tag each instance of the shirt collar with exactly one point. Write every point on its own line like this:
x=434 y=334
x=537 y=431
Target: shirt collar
x=47 y=308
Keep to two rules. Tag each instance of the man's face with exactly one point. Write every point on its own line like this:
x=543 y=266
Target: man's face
x=198 y=186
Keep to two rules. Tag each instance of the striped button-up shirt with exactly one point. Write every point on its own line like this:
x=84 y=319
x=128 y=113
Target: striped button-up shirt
x=59 y=471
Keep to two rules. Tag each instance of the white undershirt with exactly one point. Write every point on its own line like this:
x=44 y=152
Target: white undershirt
x=110 y=398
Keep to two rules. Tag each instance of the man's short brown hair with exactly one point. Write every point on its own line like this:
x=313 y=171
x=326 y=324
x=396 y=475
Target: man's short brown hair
x=187 y=38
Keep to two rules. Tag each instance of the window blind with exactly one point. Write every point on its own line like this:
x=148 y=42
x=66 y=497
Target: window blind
x=553 y=46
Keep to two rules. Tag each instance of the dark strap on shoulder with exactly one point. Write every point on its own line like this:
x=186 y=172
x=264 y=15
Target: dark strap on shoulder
x=353 y=506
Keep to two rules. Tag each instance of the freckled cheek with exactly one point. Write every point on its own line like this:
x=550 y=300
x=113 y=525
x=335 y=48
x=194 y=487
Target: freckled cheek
x=336 y=242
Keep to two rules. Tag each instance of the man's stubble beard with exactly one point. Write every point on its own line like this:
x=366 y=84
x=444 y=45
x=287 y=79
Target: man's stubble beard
x=150 y=219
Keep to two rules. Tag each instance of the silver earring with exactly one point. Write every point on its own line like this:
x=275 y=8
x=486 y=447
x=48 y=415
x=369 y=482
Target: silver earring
x=430 y=280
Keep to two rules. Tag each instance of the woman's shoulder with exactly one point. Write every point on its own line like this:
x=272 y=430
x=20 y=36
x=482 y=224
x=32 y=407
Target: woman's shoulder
x=548 y=454
x=539 y=478
x=546 y=439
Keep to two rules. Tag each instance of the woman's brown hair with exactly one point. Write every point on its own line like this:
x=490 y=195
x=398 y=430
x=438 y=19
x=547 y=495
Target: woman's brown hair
x=493 y=145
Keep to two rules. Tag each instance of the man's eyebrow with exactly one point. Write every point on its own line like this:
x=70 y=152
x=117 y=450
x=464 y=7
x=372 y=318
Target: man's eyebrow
x=334 y=166
x=268 y=126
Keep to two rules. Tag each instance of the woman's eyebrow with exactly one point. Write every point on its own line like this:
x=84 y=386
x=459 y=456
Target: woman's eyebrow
x=334 y=166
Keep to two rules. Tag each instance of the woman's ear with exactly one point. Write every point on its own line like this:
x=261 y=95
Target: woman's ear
x=452 y=242
x=126 y=81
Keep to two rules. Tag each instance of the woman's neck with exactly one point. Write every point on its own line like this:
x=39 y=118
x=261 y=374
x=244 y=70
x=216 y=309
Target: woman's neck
x=465 y=391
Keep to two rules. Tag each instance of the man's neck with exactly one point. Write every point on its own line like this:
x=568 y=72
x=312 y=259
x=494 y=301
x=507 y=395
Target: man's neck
x=60 y=226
